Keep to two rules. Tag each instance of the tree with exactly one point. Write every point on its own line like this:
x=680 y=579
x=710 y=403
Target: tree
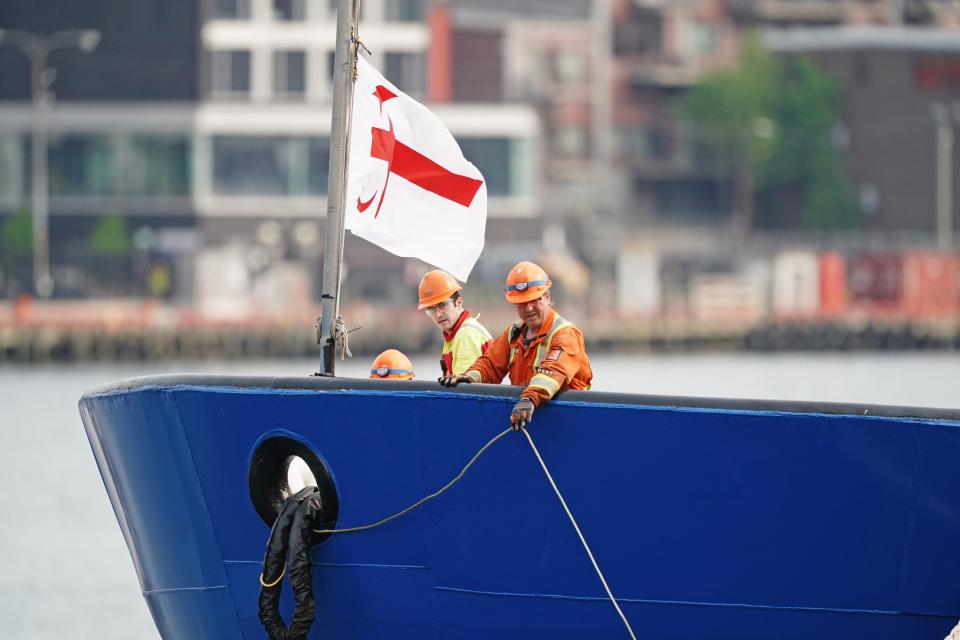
x=16 y=249
x=16 y=234
x=804 y=156
x=772 y=120
x=110 y=237
x=109 y=243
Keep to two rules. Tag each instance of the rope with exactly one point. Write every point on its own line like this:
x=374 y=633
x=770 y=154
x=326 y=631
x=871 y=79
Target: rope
x=275 y=582
x=577 y=529
x=433 y=495
x=553 y=484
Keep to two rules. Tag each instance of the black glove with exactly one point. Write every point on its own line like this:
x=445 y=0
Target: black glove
x=454 y=380
x=522 y=414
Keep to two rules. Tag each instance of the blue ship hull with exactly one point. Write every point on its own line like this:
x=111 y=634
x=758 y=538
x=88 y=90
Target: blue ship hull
x=710 y=518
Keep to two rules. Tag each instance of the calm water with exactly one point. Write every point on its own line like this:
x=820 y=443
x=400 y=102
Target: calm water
x=67 y=573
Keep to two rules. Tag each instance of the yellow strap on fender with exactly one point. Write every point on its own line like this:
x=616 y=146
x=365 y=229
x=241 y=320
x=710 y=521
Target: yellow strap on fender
x=275 y=582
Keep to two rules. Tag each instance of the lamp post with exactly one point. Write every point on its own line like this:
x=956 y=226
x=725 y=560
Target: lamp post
x=37 y=49
x=944 y=169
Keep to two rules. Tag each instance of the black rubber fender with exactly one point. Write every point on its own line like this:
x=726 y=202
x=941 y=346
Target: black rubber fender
x=275 y=565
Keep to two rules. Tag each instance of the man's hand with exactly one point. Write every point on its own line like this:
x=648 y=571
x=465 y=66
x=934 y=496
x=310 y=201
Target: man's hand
x=522 y=414
x=454 y=380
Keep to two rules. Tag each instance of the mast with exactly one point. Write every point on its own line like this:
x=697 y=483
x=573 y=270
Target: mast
x=343 y=67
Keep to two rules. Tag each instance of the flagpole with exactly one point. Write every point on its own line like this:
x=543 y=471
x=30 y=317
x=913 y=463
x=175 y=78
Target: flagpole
x=336 y=186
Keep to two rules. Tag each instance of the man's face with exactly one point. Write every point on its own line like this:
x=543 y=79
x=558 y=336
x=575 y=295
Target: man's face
x=532 y=313
x=445 y=314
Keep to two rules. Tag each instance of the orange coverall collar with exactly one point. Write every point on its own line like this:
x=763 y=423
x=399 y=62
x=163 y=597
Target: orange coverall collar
x=543 y=329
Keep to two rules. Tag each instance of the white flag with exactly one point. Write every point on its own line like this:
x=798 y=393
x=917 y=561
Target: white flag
x=409 y=188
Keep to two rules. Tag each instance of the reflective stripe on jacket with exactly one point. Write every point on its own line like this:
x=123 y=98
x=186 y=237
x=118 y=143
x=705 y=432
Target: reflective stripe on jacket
x=556 y=359
x=463 y=345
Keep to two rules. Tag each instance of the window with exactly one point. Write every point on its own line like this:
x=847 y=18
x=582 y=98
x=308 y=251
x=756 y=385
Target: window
x=698 y=38
x=633 y=141
x=229 y=74
x=13 y=168
x=662 y=142
x=112 y=165
x=688 y=198
x=154 y=165
x=289 y=74
x=270 y=166
x=404 y=10
x=231 y=9
x=570 y=140
x=938 y=73
x=286 y=10
x=642 y=33
x=82 y=165
x=408 y=72
x=331 y=63
x=492 y=156
x=568 y=67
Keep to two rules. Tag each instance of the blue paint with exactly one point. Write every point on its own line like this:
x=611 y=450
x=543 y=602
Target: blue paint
x=707 y=521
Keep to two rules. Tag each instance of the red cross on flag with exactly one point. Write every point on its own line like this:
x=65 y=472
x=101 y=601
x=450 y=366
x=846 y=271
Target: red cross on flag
x=409 y=188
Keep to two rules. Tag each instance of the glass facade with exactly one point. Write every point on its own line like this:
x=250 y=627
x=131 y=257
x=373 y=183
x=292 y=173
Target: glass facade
x=161 y=166
x=270 y=166
x=101 y=165
x=82 y=165
x=154 y=165
x=14 y=168
x=504 y=163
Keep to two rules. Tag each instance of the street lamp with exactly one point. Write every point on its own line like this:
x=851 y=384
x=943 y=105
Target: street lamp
x=37 y=49
x=944 y=168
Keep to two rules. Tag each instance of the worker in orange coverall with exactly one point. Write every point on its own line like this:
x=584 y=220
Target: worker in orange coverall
x=543 y=352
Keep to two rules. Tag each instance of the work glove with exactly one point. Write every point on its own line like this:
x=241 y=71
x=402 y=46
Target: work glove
x=522 y=414
x=453 y=380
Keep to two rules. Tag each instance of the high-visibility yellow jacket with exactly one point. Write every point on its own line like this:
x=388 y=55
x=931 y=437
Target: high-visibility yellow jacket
x=555 y=359
x=463 y=344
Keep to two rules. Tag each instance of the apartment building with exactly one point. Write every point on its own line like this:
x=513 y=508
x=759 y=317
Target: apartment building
x=206 y=123
x=662 y=47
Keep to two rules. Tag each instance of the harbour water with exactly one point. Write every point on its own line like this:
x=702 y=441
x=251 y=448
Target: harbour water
x=67 y=573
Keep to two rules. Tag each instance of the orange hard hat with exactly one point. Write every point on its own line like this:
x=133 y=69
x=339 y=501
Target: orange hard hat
x=436 y=286
x=526 y=282
x=392 y=364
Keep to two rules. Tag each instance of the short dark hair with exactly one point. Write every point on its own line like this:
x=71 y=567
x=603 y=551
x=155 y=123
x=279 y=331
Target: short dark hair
x=455 y=296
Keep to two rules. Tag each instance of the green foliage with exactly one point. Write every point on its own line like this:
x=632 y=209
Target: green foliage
x=777 y=117
x=110 y=237
x=16 y=235
x=730 y=107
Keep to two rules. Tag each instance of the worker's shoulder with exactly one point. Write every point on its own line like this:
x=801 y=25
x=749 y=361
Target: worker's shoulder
x=567 y=329
x=475 y=328
x=469 y=335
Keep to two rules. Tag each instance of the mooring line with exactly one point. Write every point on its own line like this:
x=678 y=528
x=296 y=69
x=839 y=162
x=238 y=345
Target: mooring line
x=582 y=539
x=424 y=499
x=460 y=475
